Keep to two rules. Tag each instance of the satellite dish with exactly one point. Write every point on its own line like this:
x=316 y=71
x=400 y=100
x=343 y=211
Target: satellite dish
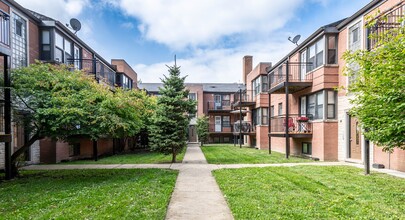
x=75 y=24
x=295 y=39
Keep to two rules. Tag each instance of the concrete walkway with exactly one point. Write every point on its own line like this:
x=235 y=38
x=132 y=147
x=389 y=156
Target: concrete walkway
x=196 y=194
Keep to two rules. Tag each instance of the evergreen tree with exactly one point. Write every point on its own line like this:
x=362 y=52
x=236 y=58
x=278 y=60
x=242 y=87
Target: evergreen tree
x=202 y=129
x=168 y=133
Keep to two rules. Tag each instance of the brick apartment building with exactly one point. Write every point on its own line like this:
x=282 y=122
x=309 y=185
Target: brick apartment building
x=213 y=100
x=27 y=36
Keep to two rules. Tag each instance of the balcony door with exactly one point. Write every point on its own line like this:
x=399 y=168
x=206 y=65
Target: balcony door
x=354 y=139
x=218 y=124
x=218 y=101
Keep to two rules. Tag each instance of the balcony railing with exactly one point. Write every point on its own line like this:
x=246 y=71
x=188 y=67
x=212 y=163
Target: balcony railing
x=91 y=66
x=4 y=28
x=224 y=105
x=297 y=75
x=213 y=128
x=243 y=127
x=295 y=124
x=243 y=96
x=389 y=20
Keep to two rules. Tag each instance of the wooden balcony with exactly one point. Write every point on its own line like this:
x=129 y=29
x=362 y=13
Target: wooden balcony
x=291 y=77
x=243 y=98
x=296 y=126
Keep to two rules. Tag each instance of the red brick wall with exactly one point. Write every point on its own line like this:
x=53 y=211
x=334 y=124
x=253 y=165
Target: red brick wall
x=123 y=67
x=47 y=151
x=394 y=161
x=33 y=42
x=4 y=7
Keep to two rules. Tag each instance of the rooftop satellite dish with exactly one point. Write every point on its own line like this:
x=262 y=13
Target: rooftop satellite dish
x=75 y=24
x=295 y=39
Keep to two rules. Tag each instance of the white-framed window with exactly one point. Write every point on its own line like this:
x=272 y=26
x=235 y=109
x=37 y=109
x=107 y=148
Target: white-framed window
x=315 y=54
x=226 y=121
x=331 y=49
x=314 y=105
x=355 y=36
x=280 y=108
x=19 y=41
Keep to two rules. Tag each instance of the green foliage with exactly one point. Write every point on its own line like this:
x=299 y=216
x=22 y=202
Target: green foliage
x=168 y=133
x=229 y=154
x=203 y=128
x=60 y=104
x=88 y=194
x=311 y=192
x=379 y=89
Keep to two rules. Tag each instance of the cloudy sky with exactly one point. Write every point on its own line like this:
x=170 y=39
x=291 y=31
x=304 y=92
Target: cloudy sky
x=209 y=37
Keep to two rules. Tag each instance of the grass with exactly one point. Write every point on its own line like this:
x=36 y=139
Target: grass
x=229 y=154
x=311 y=192
x=88 y=194
x=144 y=157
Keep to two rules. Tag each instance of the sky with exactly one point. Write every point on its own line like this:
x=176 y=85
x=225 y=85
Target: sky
x=208 y=37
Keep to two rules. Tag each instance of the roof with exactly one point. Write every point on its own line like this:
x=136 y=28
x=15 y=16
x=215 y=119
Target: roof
x=207 y=87
x=329 y=28
x=363 y=10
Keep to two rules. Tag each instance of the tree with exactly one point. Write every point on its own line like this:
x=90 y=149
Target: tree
x=168 y=133
x=60 y=104
x=203 y=128
x=379 y=89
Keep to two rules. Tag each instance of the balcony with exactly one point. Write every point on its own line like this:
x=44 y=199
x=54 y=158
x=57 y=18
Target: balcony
x=244 y=127
x=243 y=98
x=5 y=30
x=223 y=106
x=103 y=73
x=298 y=75
x=296 y=126
x=389 y=20
x=220 y=129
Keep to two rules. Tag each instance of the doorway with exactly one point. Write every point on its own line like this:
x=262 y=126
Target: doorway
x=192 y=134
x=354 y=138
x=218 y=102
x=218 y=124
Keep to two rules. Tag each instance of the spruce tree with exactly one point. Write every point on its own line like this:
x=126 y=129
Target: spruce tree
x=168 y=133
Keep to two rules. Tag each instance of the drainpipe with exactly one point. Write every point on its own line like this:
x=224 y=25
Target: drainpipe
x=240 y=118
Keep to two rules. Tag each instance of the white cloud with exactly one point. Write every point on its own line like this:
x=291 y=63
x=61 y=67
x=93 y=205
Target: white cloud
x=181 y=24
x=61 y=10
x=218 y=65
x=127 y=25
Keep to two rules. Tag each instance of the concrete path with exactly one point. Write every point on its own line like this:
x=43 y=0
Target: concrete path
x=196 y=194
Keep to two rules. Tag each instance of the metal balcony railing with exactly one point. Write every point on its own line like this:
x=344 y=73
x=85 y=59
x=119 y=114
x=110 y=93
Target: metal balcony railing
x=223 y=128
x=243 y=96
x=295 y=124
x=223 y=105
x=102 y=72
x=297 y=72
x=4 y=28
x=243 y=127
x=393 y=18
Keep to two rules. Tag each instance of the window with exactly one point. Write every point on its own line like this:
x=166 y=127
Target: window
x=315 y=54
x=64 y=51
x=306 y=148
x=19 y=41
x=331 y=105
x=76 y=56
x=46 y=37
x=272 y=111
x=74 y=149
x=280 y=73
x=192 y=96
x=226 y=100
x=265 y=85
x=265 y=116
x=280 y=108
x=303 y=69
x=58 y=40
x=332 y=52
x=313 y=105
x=226 y=121
x=354 y=37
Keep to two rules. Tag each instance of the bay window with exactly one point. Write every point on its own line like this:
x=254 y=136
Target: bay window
x=314 y=55
x=314 y=105
x=260 y=84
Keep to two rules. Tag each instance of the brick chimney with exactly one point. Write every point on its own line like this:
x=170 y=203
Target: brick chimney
x=247 y=67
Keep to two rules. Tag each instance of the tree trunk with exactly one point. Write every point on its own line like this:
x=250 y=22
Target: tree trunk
x=21 y=150
x=174 y=154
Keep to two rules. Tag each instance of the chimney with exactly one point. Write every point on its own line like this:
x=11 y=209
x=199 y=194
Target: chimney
x=247 y=67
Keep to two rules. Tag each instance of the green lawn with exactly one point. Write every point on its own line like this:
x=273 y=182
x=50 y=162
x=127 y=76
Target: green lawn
x=229 y=154
x=145 y=157
x=88 y=194
x=311 y=192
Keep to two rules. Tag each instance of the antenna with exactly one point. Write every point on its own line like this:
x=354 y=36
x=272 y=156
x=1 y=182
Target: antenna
x=295 y=39
x=75 y=25
x=175 y=61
